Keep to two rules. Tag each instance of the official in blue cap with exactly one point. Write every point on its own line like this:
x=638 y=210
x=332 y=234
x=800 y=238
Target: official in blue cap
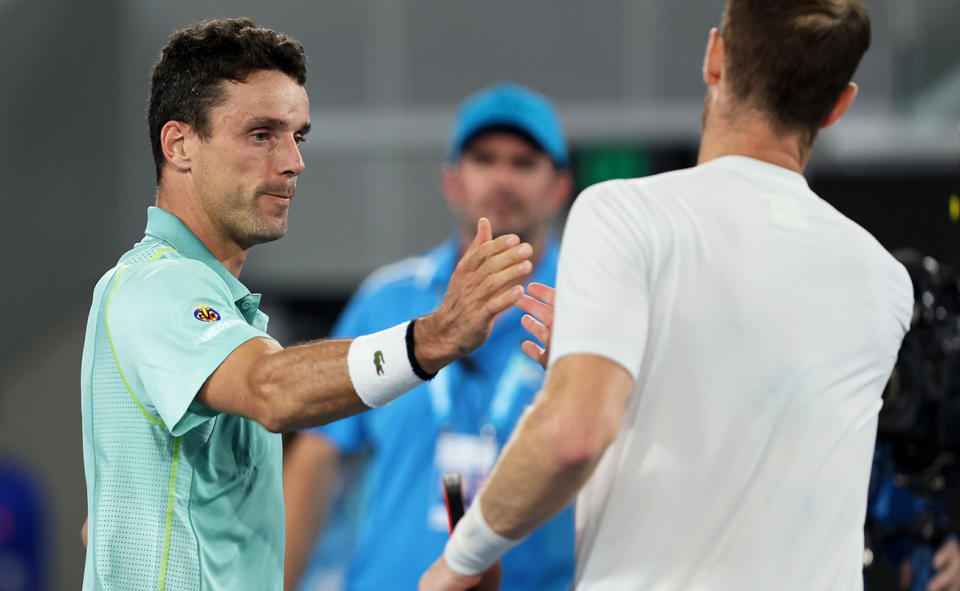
x=508 y=105
x=507 y=161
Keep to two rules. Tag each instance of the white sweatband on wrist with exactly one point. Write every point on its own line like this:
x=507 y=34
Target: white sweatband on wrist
x=474 y=546
x=379 y=366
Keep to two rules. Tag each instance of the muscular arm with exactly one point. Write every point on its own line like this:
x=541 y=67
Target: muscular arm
x=554 y=450
x=557 y=445
x=309 y=476
x=284 y=389
x=306 y=385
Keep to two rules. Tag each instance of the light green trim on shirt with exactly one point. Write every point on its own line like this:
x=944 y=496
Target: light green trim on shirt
x=113 y=349
x=166 y=535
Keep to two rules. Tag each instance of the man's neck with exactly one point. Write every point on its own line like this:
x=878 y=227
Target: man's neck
x=754 y=137
x=198 y=221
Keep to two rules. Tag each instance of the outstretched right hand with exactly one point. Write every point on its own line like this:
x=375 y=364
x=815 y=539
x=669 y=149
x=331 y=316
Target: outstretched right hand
x=484 y=283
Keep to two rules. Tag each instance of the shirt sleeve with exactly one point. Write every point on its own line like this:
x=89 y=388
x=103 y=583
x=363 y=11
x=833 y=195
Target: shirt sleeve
x=603 y=297
x=172 y=322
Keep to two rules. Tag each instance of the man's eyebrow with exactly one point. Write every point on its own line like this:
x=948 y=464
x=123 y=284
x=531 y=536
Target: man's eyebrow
x=274 y=123
x=267 y=122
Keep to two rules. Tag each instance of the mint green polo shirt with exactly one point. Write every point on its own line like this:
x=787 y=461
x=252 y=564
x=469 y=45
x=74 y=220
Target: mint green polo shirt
x=179 y=496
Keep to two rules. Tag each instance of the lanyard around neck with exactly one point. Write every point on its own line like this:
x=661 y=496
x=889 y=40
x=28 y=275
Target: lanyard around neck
x=518 y=371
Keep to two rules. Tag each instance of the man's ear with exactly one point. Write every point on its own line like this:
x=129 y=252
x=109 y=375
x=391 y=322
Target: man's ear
x=452 y=186
x=713 y=58
x=562 y=189
x=843 y=103
x=175 y=137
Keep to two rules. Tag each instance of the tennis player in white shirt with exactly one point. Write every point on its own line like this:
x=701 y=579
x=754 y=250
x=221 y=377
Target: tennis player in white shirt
x=721 y=340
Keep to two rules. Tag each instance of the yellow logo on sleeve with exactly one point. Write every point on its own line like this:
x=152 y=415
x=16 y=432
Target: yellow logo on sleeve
x=205 y=313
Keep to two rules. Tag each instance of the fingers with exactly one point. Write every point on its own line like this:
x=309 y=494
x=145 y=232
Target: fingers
x=948 y=552
x=536 y=328
x=946 y=561
x=941 y=582
x=533 y=351
x=536 y=308
x=542 y=292
x=506 y=258
x=496 y=282
x=484 y=234
x=478 y=253
x=484 y=231
x=940 y=558
x=503 y=301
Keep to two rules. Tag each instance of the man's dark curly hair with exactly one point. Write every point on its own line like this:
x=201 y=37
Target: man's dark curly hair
x=186 y=80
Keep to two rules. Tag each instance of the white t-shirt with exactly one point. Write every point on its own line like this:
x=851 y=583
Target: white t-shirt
x=760 y=326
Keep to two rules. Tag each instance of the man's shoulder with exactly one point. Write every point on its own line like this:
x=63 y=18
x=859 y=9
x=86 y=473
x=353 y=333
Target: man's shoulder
x=640 y=190
x=167 y=269
x=159 y=278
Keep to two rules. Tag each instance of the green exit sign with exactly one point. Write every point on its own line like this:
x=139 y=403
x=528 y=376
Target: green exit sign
x=602 y=162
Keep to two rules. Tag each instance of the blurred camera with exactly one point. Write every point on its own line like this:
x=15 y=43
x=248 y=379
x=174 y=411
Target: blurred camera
x=920 y=417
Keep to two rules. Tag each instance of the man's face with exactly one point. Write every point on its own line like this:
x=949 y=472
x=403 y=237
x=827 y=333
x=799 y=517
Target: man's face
x=245 y=173
x=504 y=178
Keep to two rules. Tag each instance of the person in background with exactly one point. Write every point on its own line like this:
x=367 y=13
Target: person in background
x=507 y=161
x=24 y=559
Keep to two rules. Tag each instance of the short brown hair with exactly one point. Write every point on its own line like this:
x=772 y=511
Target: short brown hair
x=791 y=59
x=185 y=82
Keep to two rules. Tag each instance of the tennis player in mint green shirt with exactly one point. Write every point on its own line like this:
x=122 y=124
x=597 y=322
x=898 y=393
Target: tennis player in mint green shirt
x=183 y=392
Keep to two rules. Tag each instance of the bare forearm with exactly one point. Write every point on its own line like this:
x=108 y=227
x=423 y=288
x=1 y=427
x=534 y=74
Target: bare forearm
x=532 y=481
x=317 y=383
x=557 y=444
x=307 y=385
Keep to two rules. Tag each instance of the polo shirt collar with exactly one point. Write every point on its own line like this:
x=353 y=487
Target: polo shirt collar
x=166 y=227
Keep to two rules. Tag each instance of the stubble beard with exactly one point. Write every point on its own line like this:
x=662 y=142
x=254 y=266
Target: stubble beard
x=246 y=225
x=522 y=220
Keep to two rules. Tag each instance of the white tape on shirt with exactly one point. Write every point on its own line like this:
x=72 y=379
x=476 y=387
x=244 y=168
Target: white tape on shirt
x=379 y=366
x=474 y=546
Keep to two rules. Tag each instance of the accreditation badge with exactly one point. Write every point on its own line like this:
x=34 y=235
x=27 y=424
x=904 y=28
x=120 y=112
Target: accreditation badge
x=472 y=456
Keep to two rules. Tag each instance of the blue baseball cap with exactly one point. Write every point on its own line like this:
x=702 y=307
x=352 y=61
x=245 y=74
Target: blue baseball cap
x=510 y=105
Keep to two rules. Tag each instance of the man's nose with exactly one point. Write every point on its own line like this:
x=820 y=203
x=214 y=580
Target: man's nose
x=291 y=159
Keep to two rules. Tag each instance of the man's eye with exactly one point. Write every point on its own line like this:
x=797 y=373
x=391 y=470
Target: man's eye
x=261 y=137
x=300 y=139
x=482 y=159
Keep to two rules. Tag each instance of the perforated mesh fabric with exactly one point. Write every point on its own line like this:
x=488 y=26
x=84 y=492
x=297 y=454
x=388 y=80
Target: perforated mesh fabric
x=135 y=457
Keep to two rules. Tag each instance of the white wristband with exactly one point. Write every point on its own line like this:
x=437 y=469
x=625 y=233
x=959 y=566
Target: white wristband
x=474 y=546
x=379 y=367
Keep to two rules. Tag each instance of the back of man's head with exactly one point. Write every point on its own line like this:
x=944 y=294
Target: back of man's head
x=791 y=59
x=186 y=80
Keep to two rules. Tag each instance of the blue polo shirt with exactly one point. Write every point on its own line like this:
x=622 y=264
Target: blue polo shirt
x=179 y=496
x=474 y=402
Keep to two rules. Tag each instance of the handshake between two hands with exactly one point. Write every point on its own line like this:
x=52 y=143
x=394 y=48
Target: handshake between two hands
x=485 y=283
x=486 y=269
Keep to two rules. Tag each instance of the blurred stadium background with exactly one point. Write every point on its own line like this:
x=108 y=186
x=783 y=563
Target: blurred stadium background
x=385 y=76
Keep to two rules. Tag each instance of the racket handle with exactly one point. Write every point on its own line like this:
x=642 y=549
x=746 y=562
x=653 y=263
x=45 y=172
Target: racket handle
x=453 y=497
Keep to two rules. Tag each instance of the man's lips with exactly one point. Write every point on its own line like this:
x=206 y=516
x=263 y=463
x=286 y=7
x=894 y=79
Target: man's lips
x=282 y=196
